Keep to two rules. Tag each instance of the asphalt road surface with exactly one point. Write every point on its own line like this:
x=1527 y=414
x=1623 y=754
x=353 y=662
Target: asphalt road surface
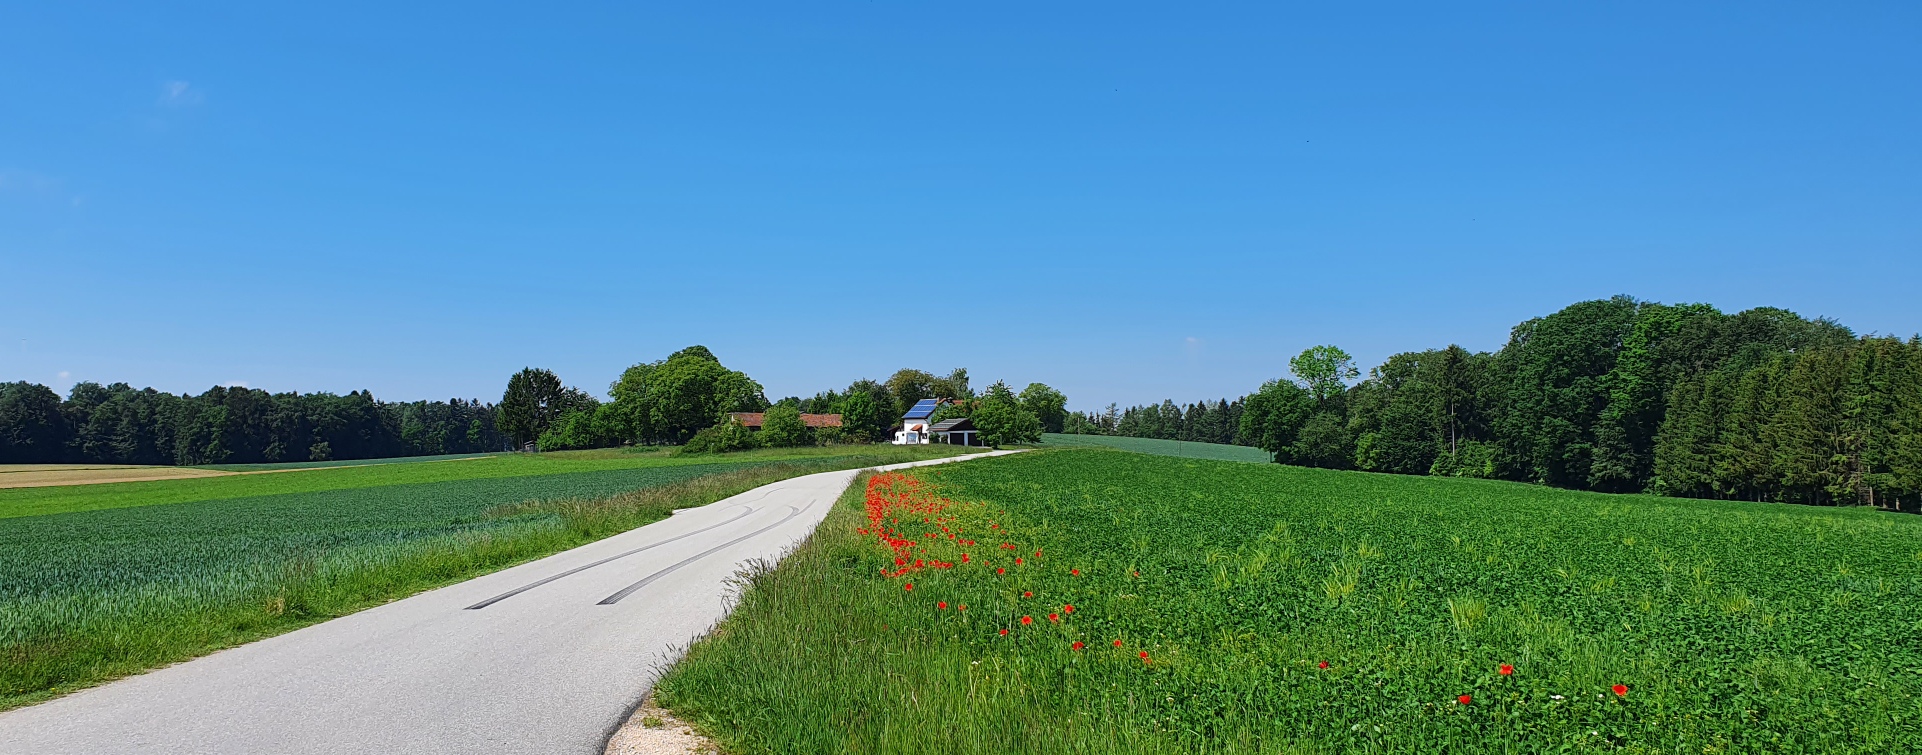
x=545 y=657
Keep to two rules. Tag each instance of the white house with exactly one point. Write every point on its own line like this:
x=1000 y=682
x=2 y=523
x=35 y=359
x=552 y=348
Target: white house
x=914 y=424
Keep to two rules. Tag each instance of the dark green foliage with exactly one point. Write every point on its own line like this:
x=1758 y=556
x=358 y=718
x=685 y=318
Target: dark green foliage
x=781 y=427
x=1002 y=420
x=1273 y=416
x=535 y=401
x=31 y=428
x=117 y=424
x=668 y=401
x=1615 y=395
x=1047 y=405
x=721 y=438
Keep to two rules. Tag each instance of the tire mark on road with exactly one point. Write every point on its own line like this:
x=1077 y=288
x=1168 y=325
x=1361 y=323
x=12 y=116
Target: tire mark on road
x=630 y=589
x=579 y=569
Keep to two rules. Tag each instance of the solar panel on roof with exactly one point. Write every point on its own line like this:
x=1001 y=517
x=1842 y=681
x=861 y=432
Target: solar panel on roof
x=921 y=409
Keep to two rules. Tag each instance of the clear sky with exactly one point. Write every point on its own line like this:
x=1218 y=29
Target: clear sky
x=1128 y=202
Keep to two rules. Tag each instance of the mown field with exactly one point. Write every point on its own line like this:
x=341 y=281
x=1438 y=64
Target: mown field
x=1179 y=448
x=107 y=588
x=1091 y=601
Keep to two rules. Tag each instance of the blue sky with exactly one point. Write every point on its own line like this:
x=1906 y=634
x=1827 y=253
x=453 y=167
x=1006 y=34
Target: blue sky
x=1128 y=202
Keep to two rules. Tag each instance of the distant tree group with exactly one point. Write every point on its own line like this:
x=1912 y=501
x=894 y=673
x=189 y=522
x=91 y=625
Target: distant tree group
x=118 y=424
x=1612 y=395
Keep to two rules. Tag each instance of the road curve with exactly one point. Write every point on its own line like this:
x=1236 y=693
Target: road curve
x=545 y=657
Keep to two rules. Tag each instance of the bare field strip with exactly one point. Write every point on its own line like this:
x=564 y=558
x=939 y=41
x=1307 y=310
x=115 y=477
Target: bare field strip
x=49 y=475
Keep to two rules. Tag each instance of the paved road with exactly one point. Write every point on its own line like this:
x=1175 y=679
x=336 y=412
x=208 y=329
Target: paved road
x=545 y=657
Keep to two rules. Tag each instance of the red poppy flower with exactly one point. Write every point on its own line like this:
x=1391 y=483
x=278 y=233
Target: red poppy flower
x=1037 y=554
x=964 y=558
x=1137 y=573
x=962 y=607
x=1324 y=664
x=1017 y=561
x=1620 y=690
x=1506 y=669
x=1077 y=645
x=1068 y=608
x=1054 y=617
x=1004 y=633
x=1027 y=620
x=1464 y=699
x=1027 y=595
x=1076 y=572
x=943 y=605
x=909 y=586
x=1001 y=570
x=1117 y=643
x=1144 y=656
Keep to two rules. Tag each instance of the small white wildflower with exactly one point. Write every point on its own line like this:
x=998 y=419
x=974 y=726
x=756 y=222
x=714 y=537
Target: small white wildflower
x=1551 y=697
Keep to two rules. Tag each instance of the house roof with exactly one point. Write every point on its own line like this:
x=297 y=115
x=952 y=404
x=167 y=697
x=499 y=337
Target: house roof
x=756 y=419
x=957 y=424
x=922 y=409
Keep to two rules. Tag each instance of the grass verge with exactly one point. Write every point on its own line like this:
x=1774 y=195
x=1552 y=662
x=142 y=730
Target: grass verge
x=1207 y=596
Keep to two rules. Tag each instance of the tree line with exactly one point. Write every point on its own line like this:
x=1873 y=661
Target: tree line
x=1614 y=395
x=685 y=399
x=118 y=424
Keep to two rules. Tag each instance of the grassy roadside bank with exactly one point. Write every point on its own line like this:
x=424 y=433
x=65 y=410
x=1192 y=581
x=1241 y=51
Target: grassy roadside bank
x=92 y=595
x=1153 y=604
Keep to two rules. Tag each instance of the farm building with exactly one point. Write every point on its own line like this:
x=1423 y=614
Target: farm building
x=913 y=430
x=958 y=431
x=753 y=420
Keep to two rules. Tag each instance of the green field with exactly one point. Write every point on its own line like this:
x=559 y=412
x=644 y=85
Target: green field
x=344 y=462
x=15 y=502
x=107 y=588
x=1731 y=627
x=1180 y=448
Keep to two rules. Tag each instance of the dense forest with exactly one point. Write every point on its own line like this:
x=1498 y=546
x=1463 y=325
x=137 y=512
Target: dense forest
x=1615 y=395
x=118 y=424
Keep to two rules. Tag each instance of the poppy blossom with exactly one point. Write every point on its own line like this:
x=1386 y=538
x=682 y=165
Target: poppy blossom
x=1077 y=645
x=1620 y=690
x=1144 y=656
x=1027 y=595
x=1068 y=608
x=964 y=558
x=1017 y=561
x=962 y=607
x=1324 y=664
x=909 y=586
x=943 y=605
x=1464 y=699
x=1037 y=554
x=917 y=563
x=1004 y=633
x=1076 y=572
x=1117 y=643
x=1506 y=669
x=1001 y=570
x=1027 y=619
x=1054 y=617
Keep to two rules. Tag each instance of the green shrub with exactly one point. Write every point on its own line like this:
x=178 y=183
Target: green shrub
x=781 y=427
x=722 y=438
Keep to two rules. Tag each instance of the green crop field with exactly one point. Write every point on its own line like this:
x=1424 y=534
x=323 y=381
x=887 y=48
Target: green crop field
x=1181 y=448
x=1120 y=603
x=109 y=588
x=16 y=502
x=344 y=462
